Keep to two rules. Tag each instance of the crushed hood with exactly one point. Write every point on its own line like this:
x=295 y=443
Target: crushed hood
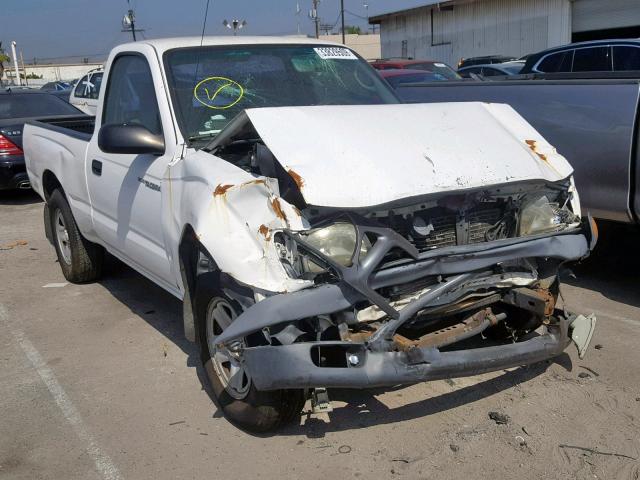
x=359 y=156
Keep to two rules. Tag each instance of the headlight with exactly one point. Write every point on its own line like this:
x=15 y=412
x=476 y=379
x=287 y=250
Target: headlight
x=338 y=242
x=543 y=216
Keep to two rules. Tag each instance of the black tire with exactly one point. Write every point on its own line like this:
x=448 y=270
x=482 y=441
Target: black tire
x=257 y=411
x=80 y=260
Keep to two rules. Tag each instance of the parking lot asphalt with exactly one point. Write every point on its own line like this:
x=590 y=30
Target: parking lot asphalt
x=98 y=382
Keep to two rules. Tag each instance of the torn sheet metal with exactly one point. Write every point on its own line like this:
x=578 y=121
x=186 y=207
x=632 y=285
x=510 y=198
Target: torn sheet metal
x=366 y=155
x=234 y=215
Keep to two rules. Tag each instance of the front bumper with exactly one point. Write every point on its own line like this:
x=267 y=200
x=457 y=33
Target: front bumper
x=376 y=361
x=292 y=366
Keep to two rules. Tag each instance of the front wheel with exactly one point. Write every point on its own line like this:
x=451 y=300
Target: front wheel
x=242 y=404
x=80 y=259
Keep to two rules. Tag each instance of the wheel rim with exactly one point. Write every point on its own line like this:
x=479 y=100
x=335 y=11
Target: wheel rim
x=62 y=237
x=227 y=361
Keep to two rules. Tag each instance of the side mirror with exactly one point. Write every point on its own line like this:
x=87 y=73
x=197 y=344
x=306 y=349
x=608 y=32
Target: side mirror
x=132 y=139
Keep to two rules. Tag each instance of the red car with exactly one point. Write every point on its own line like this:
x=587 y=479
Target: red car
x=426 y=65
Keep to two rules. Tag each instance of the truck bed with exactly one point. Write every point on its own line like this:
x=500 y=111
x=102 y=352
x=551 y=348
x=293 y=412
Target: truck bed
x=80 y=126
x=593 y=123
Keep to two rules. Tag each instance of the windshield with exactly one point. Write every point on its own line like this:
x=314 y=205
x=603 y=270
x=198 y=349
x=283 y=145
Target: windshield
x=436 y=67
x=211 y=85
x=513 y=69
x=399 y=80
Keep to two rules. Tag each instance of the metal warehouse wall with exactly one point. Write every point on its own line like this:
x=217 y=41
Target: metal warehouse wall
x=484 y=27
x=598 y=14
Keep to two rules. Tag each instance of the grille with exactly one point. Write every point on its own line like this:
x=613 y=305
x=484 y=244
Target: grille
x=473 y=225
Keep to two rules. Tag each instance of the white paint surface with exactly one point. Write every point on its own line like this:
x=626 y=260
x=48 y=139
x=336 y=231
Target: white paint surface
x=367 y=155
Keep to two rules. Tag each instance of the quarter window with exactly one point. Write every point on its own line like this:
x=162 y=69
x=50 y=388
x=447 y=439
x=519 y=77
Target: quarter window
x=626 y=58
x=130 y=97
x=557 y=62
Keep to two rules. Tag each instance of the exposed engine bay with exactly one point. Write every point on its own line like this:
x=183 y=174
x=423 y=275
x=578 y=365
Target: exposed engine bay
x=505 y=300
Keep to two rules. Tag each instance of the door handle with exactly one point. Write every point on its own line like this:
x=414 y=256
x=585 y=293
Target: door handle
x=96 y=167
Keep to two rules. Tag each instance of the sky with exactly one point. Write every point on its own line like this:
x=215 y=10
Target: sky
x=56 y=30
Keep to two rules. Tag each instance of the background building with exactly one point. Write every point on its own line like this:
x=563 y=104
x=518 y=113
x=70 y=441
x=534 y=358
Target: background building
x=451 y=30
x=367 y=45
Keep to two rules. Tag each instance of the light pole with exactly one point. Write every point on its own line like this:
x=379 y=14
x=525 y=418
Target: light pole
x=342 y=18
x=15 y=62
x=235 y=25
x=313 y=15
x=129 y=23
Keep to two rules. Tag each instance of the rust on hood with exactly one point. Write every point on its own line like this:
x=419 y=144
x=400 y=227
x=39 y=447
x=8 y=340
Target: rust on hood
x=533 y=146
x=275 y=204
x=255 y=182
x=264 y=231
x=221 y=189
x=296 y=178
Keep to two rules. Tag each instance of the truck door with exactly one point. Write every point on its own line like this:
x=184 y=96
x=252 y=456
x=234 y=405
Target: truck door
x=125 y=189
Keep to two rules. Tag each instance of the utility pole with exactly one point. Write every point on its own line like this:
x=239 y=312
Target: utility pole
x=342 y=18
x=314 y=16
x=26 y=80
x=15 y=63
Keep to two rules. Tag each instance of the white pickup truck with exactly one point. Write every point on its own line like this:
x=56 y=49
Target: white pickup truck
x=319 y=233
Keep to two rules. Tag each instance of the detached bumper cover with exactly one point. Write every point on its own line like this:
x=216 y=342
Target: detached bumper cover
x=292 y=366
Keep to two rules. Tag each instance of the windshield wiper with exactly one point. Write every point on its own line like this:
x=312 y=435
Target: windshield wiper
x=204 y=136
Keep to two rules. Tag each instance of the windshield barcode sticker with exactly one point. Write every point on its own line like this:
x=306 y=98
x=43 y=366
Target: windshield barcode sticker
x=332 y=53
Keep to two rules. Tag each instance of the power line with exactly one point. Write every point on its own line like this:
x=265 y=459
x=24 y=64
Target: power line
x=356 y=15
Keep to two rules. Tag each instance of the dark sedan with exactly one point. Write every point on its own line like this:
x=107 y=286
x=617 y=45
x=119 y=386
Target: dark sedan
x=16 y=108
x=595 y=56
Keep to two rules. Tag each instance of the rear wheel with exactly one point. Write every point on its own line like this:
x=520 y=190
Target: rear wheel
x=80 y=259
x=242 y=404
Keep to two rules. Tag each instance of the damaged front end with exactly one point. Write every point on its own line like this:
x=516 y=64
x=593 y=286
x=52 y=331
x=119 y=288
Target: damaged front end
x=397 y=291
x=465 y=241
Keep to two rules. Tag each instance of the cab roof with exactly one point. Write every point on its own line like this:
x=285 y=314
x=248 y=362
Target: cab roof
x=163 y=44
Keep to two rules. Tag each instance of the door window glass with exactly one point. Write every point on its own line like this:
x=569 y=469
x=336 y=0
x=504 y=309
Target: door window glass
x=93 y=88
x=130 y=97
x=597 y=59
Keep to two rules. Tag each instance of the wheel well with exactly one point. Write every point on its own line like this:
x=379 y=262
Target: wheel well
x=190 y=257
x=50 y=183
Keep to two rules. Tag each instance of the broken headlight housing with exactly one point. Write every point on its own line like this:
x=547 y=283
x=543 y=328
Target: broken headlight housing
x=543 y=216
x=337 y=242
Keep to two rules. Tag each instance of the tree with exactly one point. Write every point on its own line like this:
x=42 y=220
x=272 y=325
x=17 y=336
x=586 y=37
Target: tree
x=3 y=58
x=352 y=29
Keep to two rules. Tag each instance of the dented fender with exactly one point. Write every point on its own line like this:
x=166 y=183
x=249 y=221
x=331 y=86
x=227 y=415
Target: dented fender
x=233 y=215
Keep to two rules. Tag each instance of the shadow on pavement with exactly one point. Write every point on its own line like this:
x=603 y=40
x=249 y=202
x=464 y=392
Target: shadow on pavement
x=19 y=197
x=164 y=313
x=364 y=410
x=614 y=266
